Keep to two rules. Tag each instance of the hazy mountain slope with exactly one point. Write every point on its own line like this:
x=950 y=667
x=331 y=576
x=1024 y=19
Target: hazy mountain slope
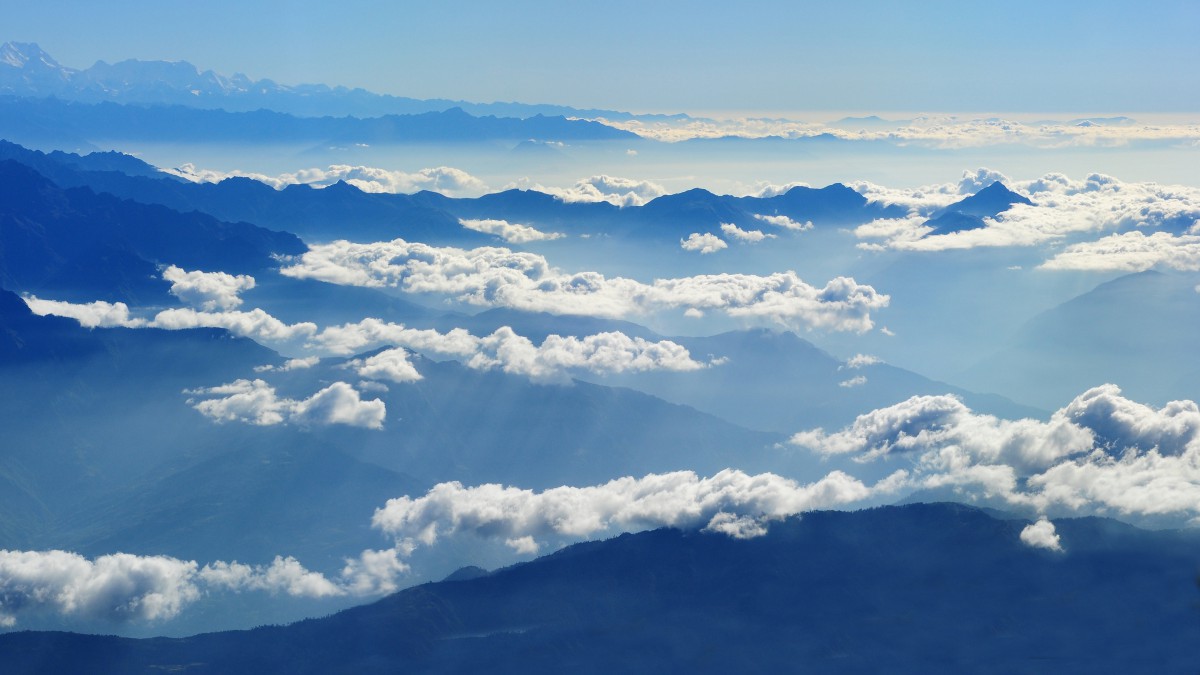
x=956 y=591
x=1138 y=331
x=764 y=379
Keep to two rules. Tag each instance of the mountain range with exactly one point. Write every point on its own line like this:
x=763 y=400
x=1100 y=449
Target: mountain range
x=921 y=588
x=27 y=70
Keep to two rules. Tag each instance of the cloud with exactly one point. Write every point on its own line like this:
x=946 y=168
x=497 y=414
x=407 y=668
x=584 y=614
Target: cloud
x=283 y=575
x=119 y=587
x=1041 y=534
x=254 y=324
x=1102 y=454
x=749 y=236
x=256 y=402
x=1130 y=252
x=98 y=314
x=862 y=361
x=499 y=277
x=856 y=381
x=784 y=222
x=704 y=243
x=512 y=233
x=937 y=131
x=612 y=189
x=443 y=179
x=123 y=587
x=209 y=291
x=767 y=190
x=730 y=502
x=290 y=365
x=1061 y=208
x=551 y=361
x=391 y=365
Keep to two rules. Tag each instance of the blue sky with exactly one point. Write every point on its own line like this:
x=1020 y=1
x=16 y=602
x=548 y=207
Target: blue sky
x=669 y=56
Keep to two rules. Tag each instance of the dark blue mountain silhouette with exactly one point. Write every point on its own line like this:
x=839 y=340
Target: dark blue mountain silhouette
x=343 y=211
x=968 y=213
x=914 y=589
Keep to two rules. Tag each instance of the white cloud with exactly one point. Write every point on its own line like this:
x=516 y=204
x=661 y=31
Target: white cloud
x=283 y=575
x=98 y=314
x=119 y=587
x=924 y=423
x=123 y=587
x=940 y=131
x=750 y=236
x=446 y=180
x=731 y=502
x=391 y=365
x=1041 y=534
x=785 y=222
x=290 y=365
x=256 y=402
x=704 y=243
x=254 y=324
x=552 y=360
x=513 y=233
x=1061 y=208
x=612 y=189
x=1101 y=454
x=862 y=361
x=209 y=291
x=1130 y=252
x=856 y=381
x=767 y=190
x=499 y=277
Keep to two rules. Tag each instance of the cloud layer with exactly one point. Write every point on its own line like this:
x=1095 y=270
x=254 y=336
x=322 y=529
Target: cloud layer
x=552 y=360
x=499 y=277
x=123 y=587
x=209 y=291
x=513 y=233
x=730 y=502
x=446 y=180
x=256 y=402
x=1062 y=208
x=1101 y=454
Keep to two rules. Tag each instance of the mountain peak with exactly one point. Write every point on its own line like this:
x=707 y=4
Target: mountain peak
x=27 y=55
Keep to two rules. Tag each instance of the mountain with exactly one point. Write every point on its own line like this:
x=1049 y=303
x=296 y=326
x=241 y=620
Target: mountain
x=769 y=380
x=955 y=591
x=50 y=120
x=27 y=70
x=1137 y=331
x=77 y=243
x=968 y=213
x=342 y=211
x=99 y=432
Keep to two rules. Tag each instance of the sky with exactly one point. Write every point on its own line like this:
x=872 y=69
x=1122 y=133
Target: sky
x=668 y=56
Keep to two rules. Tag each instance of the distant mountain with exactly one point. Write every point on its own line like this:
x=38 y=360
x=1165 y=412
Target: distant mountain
x=968 y=213
x=101 y=440
x=342 y=211
x=1138 y=331
x=50 y=120
x=95 y=246
x=775 y=381
x=27 y=70
x=915 y=589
